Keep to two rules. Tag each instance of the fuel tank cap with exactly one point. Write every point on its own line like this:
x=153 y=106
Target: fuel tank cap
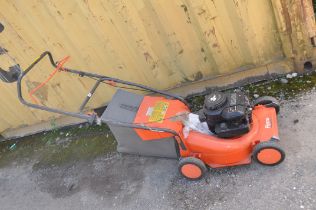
x=215 y=100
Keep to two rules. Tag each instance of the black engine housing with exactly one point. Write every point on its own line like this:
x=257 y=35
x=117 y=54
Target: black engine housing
x=227 y=114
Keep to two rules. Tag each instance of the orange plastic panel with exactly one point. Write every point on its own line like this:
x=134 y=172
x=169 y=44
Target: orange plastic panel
x=159 y=112
x=217 y=152
x=268 y=122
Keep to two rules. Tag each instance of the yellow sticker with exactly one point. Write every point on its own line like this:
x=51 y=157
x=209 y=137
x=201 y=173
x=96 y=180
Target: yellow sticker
x=159 y=111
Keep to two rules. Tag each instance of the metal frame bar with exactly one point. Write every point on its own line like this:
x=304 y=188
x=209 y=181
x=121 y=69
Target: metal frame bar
x=100 y=78
x=97 y=76
x=90 y=94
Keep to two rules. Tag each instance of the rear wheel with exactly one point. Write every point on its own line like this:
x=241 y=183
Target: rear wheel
x=268 y=153
x=268 y=101
x=192 y=168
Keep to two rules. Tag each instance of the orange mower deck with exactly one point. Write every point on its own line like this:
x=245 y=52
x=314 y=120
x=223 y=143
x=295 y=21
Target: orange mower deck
x=213 y=151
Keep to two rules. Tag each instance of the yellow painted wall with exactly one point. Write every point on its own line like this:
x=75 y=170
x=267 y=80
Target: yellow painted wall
x=160 y=43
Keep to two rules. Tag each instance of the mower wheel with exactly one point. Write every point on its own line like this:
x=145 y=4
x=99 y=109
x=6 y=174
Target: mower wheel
x=268 y=101
x=192 y=168
x=268 y=153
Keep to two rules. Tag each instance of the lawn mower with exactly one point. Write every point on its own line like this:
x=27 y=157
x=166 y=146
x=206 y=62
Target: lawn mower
x=153 y=125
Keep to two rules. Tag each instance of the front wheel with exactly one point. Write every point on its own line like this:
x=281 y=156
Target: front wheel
x=268 y=101
x=268 y=153
x=192 y=168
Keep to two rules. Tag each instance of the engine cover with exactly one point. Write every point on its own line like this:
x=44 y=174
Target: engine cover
x=226 y=114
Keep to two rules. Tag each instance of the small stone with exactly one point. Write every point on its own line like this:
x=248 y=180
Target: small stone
x=301 y=206
x=294 y=74
x=255 y=95
x=289 y=76
x=80 y=126
x=284 y=81
x=308 y=82
x=295 y=121
x=294 y=188
x=269 y=88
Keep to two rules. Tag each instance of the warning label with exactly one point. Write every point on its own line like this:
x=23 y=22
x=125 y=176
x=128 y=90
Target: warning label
x=158 y=112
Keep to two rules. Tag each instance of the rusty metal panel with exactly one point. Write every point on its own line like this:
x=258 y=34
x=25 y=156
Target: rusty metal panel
x=158 y=43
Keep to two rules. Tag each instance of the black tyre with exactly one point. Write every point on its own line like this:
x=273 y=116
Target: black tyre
x=192 y=168
x=268 y=153
x=268 y=101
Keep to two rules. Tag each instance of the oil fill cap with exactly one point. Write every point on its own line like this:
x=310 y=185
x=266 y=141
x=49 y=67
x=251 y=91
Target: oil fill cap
x=215 y=100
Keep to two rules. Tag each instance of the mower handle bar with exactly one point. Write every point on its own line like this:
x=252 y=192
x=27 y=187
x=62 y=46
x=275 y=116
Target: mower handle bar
x=92 y=118
x=99 y=78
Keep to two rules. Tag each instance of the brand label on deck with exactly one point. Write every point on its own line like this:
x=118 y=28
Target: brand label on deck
x=268 y=123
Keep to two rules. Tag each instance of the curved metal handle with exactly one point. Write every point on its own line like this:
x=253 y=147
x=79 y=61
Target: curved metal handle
x=100 y=78
x=89 y=118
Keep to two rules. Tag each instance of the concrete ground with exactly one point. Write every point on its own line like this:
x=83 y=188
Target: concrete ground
x=114 y=181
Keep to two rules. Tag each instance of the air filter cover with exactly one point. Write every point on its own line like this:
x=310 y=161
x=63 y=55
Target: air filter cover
x=215 y=100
